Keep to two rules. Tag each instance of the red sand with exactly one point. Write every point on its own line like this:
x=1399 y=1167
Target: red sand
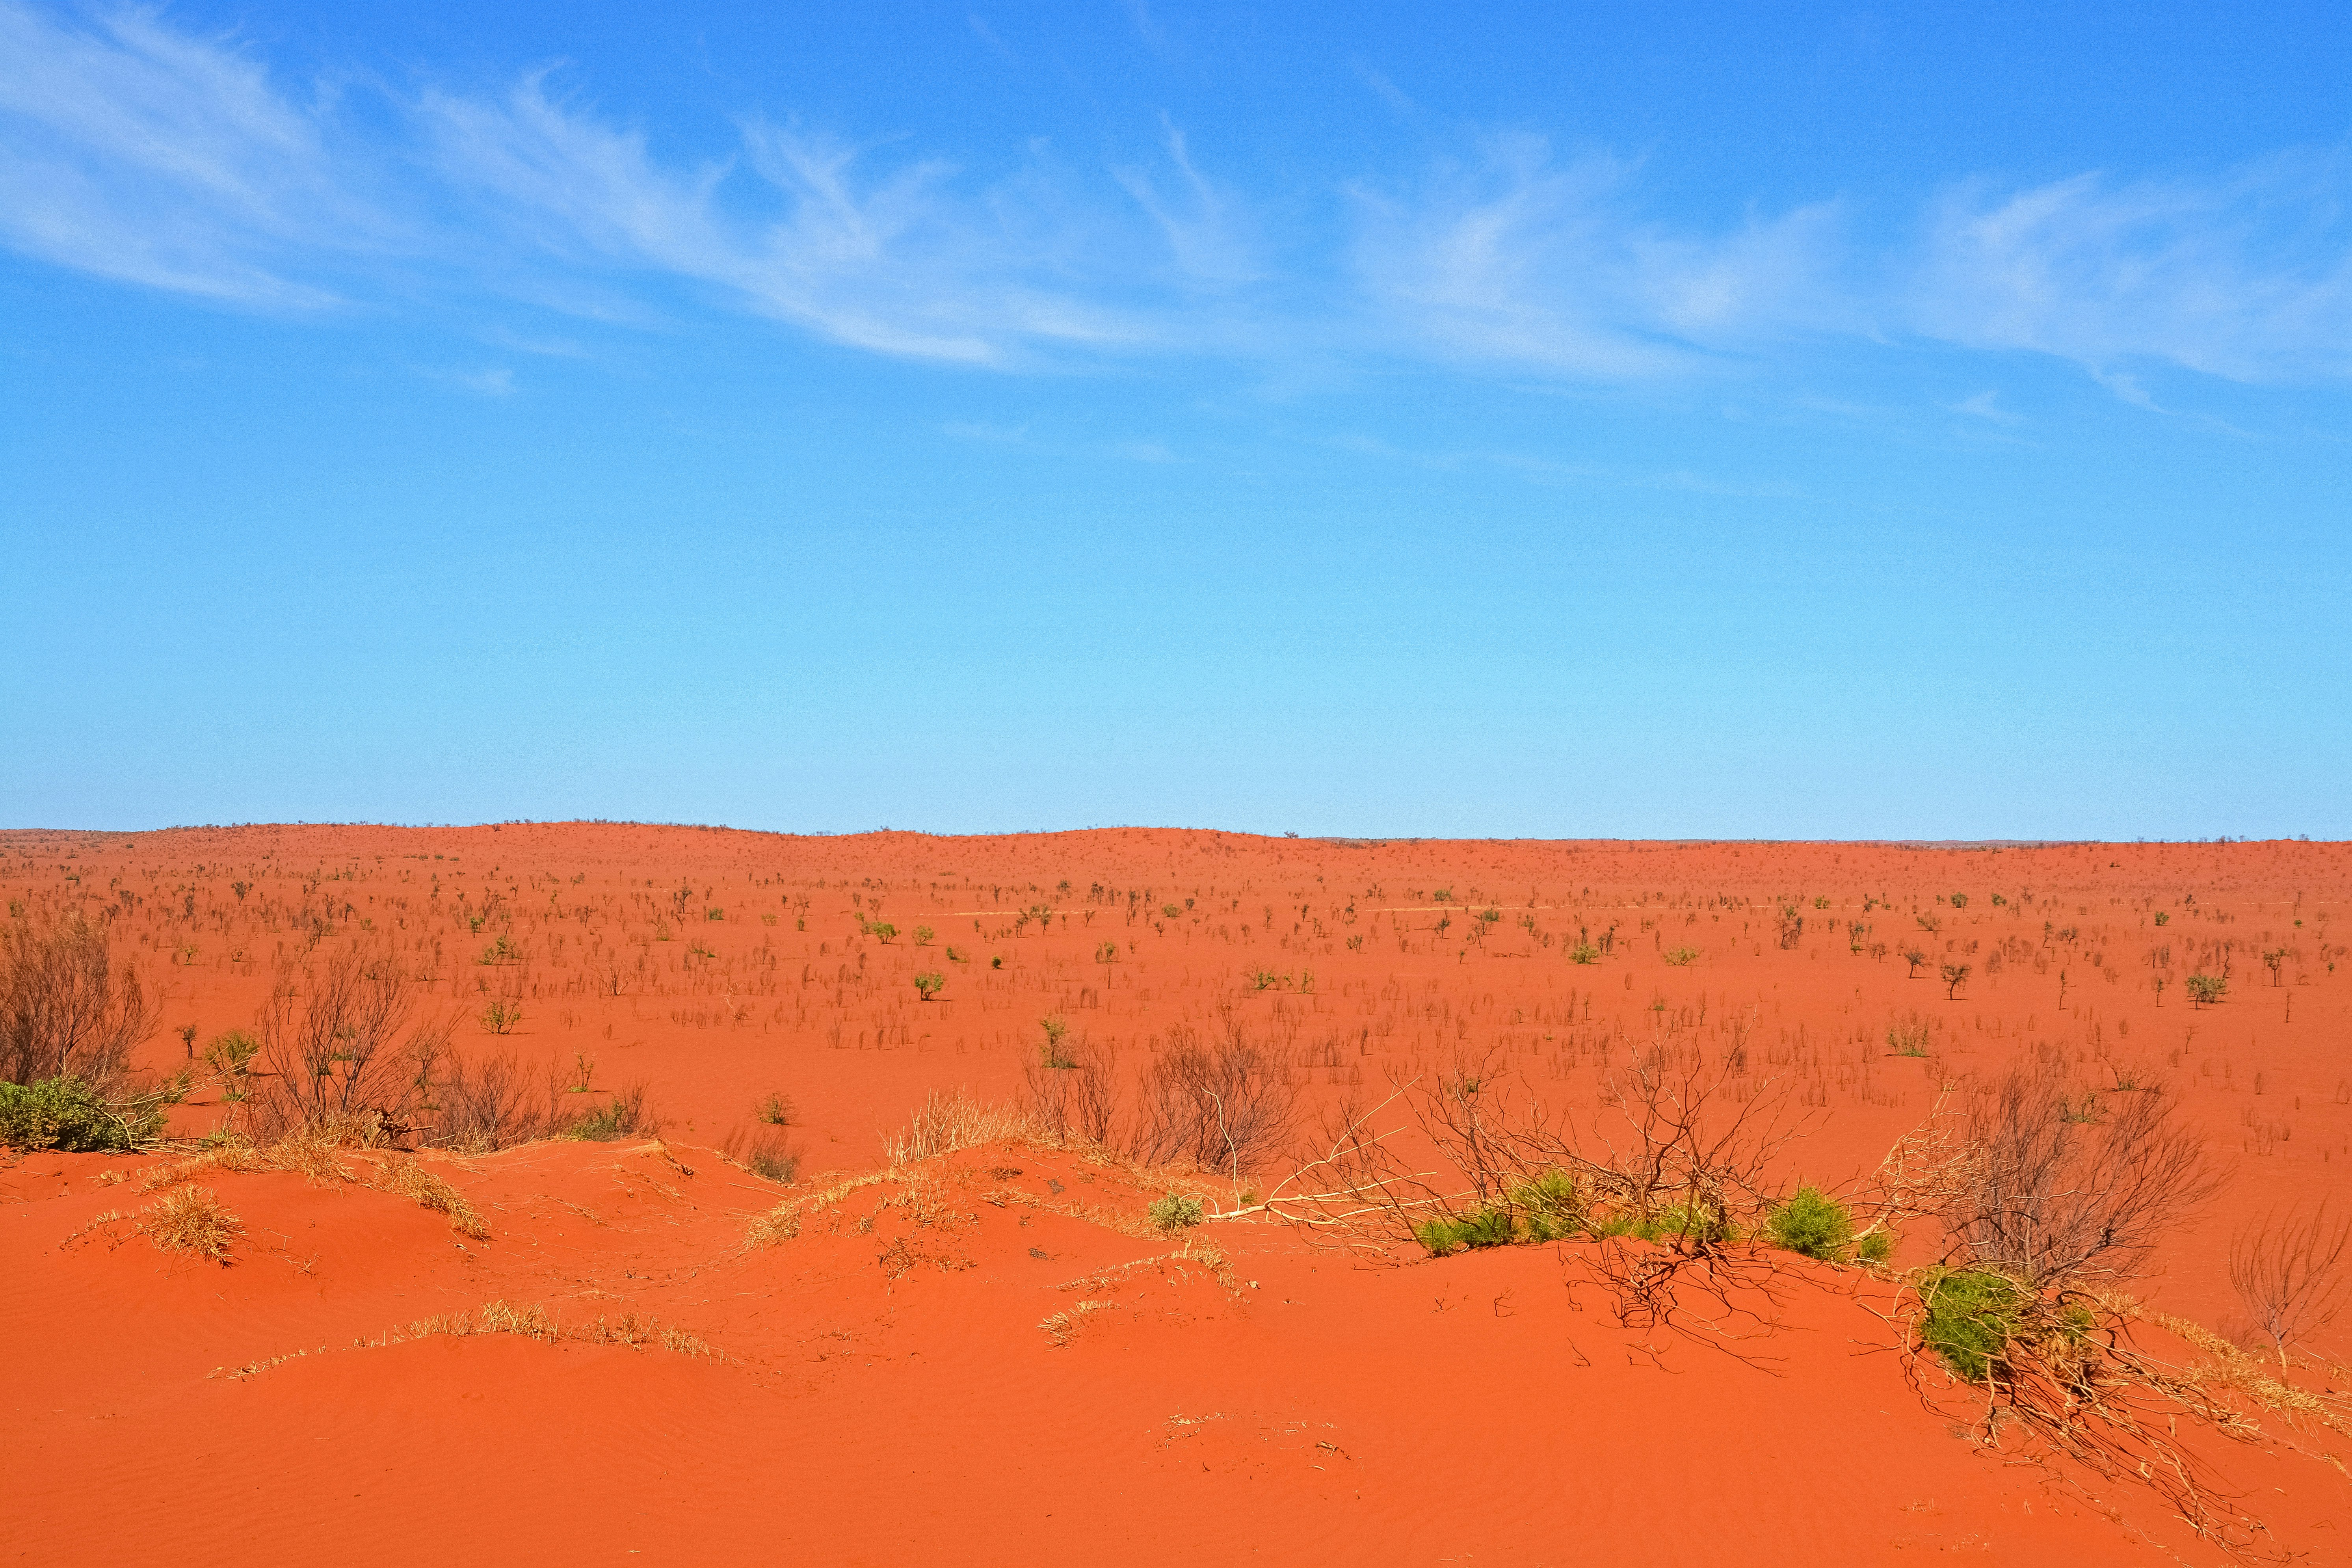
x=1469 y=1409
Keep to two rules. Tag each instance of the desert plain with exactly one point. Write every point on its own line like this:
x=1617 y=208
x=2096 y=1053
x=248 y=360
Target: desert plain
x=889 y=1240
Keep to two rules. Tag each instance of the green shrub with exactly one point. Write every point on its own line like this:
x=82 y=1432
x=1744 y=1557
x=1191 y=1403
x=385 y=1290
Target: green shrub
x=1585 y=953
x=1550 y=1207
x=1967 y=1317
x=1876 y=1246
x=1480 y=1227
x=1176 y=1211
x=930 y=982
x=1814 y=1224
x=624 y=1116
x=1681 y=956
x=67 y=1113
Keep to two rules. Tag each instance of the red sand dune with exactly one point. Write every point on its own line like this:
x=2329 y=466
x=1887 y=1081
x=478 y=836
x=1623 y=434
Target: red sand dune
x=962 y=1365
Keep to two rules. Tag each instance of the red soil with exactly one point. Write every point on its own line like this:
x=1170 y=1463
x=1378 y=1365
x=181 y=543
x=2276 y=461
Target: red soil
x=887 y=1391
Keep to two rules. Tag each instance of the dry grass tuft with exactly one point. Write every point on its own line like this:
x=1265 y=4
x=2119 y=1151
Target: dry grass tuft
x=946 y=1122
x=779 y=1224
x=192 y=1219
x=411 y=1180
x=490 y=1318
x=312 y=1152
x=2230 y=1367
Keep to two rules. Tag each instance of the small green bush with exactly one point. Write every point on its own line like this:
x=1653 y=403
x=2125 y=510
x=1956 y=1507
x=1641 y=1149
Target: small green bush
x=1814 y=1224
x=67 y=1113
x=1876 y=1246
x=1585 y=953
x=1550 y=1207
x=1969 y=1317
x=1176 y=1212
x=1480 y=1227
x=624 y=1116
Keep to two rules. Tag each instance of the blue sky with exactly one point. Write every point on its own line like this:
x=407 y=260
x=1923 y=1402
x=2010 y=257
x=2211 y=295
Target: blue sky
x=1657 y=421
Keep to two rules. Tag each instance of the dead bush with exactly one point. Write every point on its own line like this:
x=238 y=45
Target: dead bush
x=1227 y=1105
x=339 y=1050
x=768 y=1151
x=2053 y=1188
x=2288 y=1271
x=65 y=1011
x=1071 y=1091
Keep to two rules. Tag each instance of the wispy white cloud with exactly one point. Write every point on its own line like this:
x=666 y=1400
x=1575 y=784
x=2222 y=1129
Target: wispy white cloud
x=1198 y=219
x=137 y=151
x=1551 y=265
x=1986 y=404
x=2247 y=274
x=791 y=225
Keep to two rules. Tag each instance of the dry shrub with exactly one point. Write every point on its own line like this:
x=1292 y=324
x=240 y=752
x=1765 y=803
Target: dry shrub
x=1071 y=1092
x=767 y=1152
x=1225 y=1105
x=64 y=1011
x=946 y=1122
x=2054 y=1189
x=2288 y=1271
x=341 y=1050
x=2047 y=1195
x=193 y=1220
x=1670 y=1177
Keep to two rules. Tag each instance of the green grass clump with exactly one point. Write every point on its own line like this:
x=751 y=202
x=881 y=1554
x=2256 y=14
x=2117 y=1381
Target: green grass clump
x=1877 y=1246
x=623 y=1116
x=1814 y=1224
x=1550 y=1207
x=1969 y=1317
x=1442 y=1234
x=1176 y=1212
x=1545 y=1207
x=67 y=1113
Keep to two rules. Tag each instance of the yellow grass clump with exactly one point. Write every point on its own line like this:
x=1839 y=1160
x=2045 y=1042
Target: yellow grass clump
x=193 y=1220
